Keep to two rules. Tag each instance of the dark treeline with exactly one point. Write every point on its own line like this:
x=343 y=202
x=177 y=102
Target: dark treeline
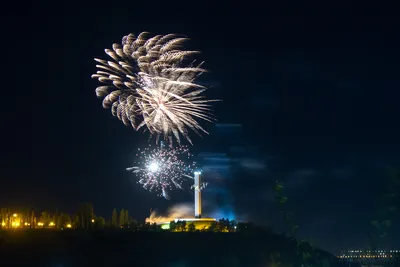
x=84 y=239
x=249 y=245
x=83 y=218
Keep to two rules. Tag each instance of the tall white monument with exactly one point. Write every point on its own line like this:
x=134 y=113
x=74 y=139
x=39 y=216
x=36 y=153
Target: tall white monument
x=197 y=194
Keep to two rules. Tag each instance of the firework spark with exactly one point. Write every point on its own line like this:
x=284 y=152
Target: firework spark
x=163 y=169
x=150 y=83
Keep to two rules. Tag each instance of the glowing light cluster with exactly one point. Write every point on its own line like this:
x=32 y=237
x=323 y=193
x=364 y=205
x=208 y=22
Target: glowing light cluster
x=366 y=254
x=150 y=83
x=162 y=169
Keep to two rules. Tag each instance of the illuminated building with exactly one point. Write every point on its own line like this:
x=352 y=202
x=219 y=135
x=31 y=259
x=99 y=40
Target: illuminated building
x=199 y=223
x=370 y=257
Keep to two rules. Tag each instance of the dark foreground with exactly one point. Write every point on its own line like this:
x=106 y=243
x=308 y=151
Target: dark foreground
x=118 y=248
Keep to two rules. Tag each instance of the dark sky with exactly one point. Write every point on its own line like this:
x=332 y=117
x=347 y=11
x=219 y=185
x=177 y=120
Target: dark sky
x=314 y=89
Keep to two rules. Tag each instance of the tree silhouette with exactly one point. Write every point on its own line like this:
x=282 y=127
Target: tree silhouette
x=76 y=221
x=155 y=228
x=222 y=225
x=45 y=218
x=114 y=220
x=172 y=226
x=191 y=227
x=388 y=206
x=32 y=219
x=275 y=259
x=213 y=227
x=226 y=225
x=180 y=226
x=86 y=215
x=134 y=225
x=126 y=218
x=99 y=223
x=4 y=218
x=150 y=227
x=63 y=220
x=121 y=218
x=281 y=200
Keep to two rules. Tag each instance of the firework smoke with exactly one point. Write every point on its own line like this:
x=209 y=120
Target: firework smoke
x=150 y=82
x=179 y=211
x=186 y=210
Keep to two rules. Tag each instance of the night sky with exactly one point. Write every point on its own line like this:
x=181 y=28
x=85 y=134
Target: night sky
x=310 y=94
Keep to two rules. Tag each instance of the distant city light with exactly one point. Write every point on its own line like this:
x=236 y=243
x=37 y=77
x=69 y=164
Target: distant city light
x=51 y=224
x=15 y=215
x=369 y=254
x=69 y=225
x=92 y=220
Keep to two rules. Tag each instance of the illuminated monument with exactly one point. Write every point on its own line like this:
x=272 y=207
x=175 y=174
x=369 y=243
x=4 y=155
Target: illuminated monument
x=197 y=194
x=199 y=222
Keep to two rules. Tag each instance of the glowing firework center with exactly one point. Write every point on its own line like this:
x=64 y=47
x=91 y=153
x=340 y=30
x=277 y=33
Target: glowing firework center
x=153 y=167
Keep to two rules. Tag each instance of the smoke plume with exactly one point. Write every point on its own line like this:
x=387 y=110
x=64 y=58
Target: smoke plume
x=178 y=211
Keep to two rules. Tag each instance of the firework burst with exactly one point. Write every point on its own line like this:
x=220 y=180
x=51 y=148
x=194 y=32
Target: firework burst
x=163 y=169
x=150 y=83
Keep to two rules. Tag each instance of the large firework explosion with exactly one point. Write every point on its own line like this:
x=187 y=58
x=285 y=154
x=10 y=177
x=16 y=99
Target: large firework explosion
x=150 y=83
x=163 y=169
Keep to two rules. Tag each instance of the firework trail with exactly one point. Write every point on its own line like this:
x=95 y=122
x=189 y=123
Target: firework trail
x=163 y=169
x=150 y=83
